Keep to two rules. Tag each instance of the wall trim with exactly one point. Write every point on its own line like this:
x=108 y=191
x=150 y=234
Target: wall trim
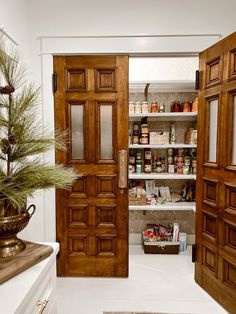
x=133 y=45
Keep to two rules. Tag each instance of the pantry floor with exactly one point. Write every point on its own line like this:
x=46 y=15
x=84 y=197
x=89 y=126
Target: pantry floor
x=156 y=283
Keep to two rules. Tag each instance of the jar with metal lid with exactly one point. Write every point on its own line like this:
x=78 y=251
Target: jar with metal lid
x=154 y=106
x=176 y=107
x=144 y=128
x=138 y=107
x=162 y=108
x=144 y=107
x=186 y=106
x=144 y=138
x=131 y=107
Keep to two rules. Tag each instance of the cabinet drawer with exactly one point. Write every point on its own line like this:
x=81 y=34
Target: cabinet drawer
x=42 y=298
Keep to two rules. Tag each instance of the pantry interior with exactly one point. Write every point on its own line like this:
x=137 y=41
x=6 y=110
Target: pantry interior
x=162 y=187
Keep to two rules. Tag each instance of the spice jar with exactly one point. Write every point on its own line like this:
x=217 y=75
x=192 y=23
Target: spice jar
x=186 y=106
x=195 y=105
x=162 y=108
x=176 y=107
x=154 y=106
x=144 y=107
x=131 y=107
x=138 y=108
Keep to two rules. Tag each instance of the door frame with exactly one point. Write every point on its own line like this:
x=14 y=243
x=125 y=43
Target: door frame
x=134 y=46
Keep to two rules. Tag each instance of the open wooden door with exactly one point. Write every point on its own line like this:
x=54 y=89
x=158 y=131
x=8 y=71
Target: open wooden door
x=92 y=218
x=216 y=178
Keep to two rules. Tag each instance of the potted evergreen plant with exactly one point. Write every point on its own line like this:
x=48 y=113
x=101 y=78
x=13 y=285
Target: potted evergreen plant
x=22 y=143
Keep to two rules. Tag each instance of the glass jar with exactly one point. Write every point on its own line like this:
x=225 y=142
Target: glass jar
x=176 y=107
x=144 y=107
x=138 y=107
x=154 y=106
x=131 y=107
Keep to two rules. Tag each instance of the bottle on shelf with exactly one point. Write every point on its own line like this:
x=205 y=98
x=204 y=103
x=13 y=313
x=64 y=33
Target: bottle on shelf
x=147 y=160
x=139 y=162
x=172 y=134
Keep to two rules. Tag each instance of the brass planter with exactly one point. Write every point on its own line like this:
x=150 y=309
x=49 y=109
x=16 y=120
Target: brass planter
x=9 y=227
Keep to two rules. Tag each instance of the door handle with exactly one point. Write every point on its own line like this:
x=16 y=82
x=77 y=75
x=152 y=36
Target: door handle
x=122 y=160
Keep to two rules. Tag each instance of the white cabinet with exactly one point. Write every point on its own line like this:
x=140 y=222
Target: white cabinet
x=32 y=291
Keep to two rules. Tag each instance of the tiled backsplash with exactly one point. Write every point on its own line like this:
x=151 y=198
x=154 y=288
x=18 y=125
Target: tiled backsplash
x=138 y=220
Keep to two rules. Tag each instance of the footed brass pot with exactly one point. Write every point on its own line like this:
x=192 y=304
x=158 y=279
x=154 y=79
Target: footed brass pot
x=9 y=227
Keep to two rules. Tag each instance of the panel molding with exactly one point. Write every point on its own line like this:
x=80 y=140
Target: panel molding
x=210 y=226
x=78 y=245
x=232 y=65
x=106 y=245
x=76 y=80
x=106 y=186
x=209 y=260
x=230 y=198
x=78 y=216
x=105 y=80
x=106 y=216
x=79 y=188
x=211 y=192
x=214 y=71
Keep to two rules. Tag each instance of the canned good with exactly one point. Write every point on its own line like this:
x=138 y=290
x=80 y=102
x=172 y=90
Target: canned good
x=144 y=107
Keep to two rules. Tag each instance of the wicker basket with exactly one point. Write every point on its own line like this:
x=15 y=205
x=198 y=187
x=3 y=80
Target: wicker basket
x=137 y=200
x=161 y=247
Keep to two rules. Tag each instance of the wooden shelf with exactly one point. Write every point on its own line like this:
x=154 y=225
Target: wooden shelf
x=165 y=116
x=162 y=146
x=166 y=206
x=165 y=176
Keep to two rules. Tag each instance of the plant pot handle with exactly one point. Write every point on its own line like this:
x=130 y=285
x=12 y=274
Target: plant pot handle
x=33 y=210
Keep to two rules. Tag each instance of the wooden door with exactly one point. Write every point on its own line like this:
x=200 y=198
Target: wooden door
x=216 y=178
x=92 y=218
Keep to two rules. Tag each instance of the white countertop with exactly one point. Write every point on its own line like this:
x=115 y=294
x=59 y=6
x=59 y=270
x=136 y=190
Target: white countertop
x=13 y=290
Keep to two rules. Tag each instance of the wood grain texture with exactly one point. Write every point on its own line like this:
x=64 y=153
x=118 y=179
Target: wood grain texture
x=92 y=218
x=215 y=269
x=33 y=254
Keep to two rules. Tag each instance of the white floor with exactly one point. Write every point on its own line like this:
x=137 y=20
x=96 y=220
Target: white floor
x=157 y=283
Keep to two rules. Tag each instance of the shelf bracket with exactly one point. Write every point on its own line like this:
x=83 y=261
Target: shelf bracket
x=146 y=91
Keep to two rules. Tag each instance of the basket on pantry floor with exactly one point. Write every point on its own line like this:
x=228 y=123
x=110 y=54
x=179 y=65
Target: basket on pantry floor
x=161 y=247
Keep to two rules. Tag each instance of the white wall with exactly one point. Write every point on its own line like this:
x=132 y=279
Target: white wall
x=104 y=17
x=14 y=19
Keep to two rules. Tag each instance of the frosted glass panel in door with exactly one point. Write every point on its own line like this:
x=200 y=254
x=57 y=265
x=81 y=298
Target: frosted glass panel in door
x=213 y=117
x=106 y=132
x=234 y=132
x=77 y=131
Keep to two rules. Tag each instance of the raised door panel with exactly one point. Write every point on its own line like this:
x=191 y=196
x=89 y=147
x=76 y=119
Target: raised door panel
x=215 y=267
x=92 y=216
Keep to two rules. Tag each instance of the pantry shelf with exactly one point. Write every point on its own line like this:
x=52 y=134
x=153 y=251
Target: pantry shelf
x=165 y=116
x=166 y=206
x=162 y=146
x=158 y=176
